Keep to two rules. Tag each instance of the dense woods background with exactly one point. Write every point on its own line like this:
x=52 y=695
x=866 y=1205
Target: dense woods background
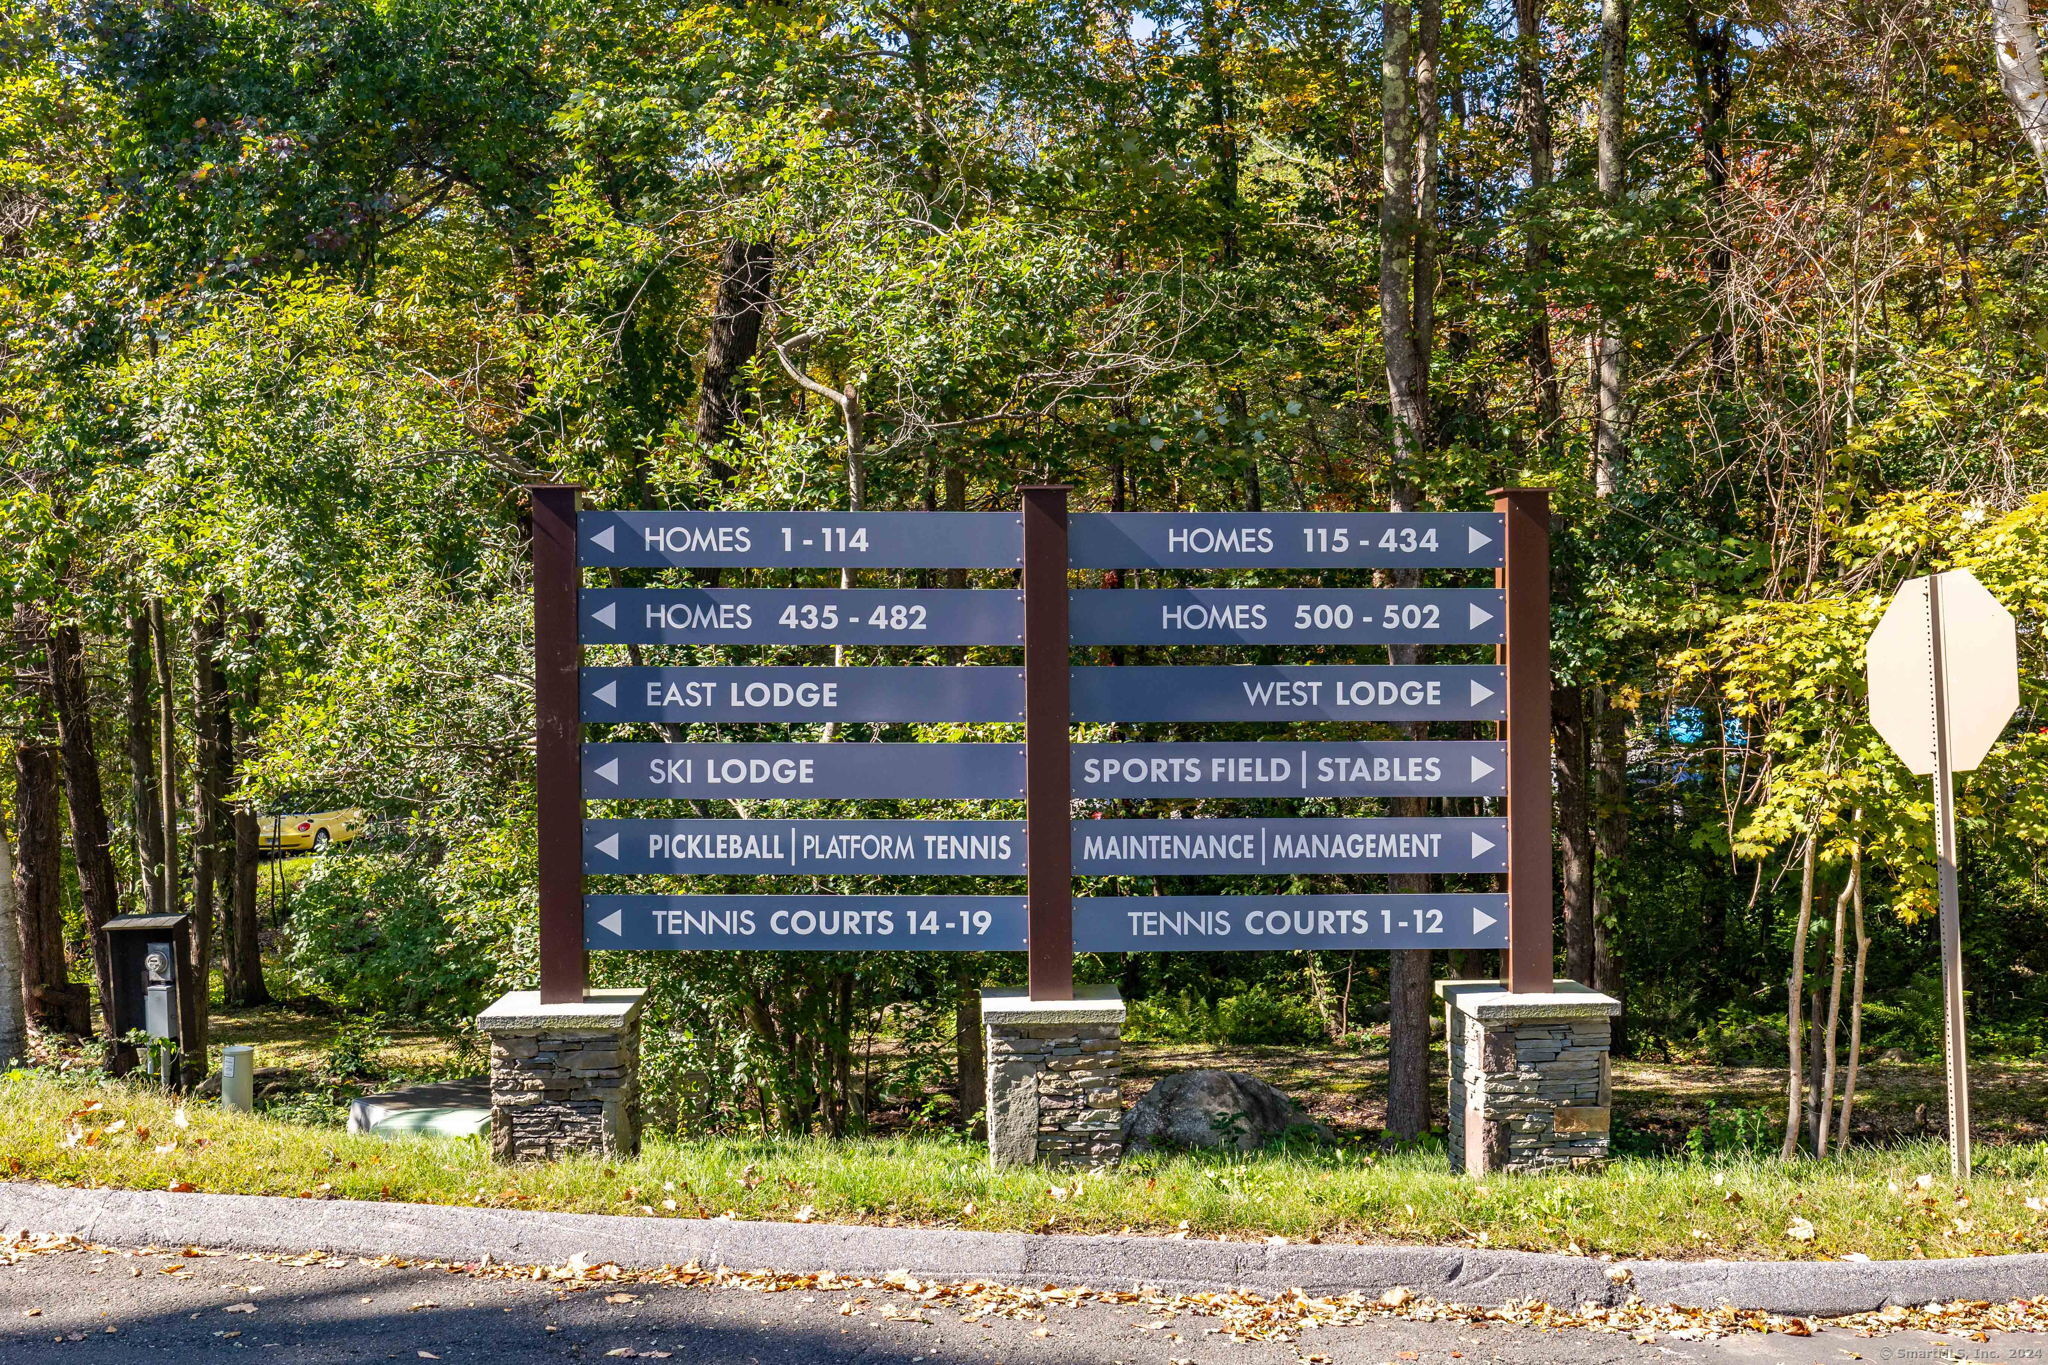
x=294 y=297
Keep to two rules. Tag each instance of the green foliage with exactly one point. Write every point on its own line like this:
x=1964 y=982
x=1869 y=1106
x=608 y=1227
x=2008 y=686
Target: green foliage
x=1732 y=1132
x=352 y=1051
x=369 y=932
x=1252 y=1017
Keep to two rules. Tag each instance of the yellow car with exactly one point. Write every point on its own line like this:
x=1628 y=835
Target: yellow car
x=313 y=831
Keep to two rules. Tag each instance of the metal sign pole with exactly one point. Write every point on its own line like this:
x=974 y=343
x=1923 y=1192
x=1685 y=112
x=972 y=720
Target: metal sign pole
x=1048 y=809
x=564 y=964
x=1955 y=1044
x=1529 y=963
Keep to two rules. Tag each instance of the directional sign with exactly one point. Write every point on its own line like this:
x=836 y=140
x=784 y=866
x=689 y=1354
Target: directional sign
x=1305 y=692
x=819 y=693
x=968 y=848
x=817 y=924
x=1275 y=768
x=801 y=616
x=805 y=771
x=1980 y=678
x=797 y=540
x=1186 y=848
x=1286 y=616
x=1128 y=924
x=1284 y=540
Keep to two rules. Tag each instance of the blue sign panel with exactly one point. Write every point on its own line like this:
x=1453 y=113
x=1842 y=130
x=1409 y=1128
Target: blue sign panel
x=805 y=771
x=818 y=693
x=1284 y=540
x=1287 y=616
x=1286 y=692
x=1201 y=848
x=817 y=924
x=800 y=616
x=1279 y=768
x=801 y=540
x=769 y=848
x=1132 y=924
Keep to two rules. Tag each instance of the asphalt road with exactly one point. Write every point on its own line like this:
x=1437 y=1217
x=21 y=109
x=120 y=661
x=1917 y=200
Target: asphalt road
x=82 y=1308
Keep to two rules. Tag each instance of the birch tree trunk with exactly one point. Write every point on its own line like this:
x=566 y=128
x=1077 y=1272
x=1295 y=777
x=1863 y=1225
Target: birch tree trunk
x=2016 y=45
x=1855 y=992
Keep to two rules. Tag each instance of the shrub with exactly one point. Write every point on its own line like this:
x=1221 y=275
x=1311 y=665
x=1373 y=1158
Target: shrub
x=1252 y=1017
x=369 y=932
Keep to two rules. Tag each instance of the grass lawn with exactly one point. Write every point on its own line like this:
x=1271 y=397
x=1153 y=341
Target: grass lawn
x=1880 y=1202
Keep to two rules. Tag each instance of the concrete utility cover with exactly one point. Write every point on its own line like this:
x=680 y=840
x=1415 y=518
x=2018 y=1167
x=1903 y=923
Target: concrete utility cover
x=1981 y=673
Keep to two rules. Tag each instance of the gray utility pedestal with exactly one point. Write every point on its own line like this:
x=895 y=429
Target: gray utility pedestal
x=564 y=1078
x=1530 y=1088
x=1052 y=1078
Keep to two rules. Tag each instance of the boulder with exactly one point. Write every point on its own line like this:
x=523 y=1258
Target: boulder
x=1216 y=1109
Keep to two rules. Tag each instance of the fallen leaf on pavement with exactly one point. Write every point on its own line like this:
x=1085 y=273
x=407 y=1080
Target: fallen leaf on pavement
x=239 y=1308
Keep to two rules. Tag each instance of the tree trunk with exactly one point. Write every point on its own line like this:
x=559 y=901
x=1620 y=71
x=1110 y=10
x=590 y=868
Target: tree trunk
x=1408 y=77
x=145 y=812
x=745 y=275
x=969 y=1054
x=244 y=983
x=1571 y=759
x=1824 y=1101
x=1856 y=990
x=1610 y=843
x=1795 y=1005
x=210 y=852
x=13 y=1014
x=52 y=1000
x=167 y=755
x=1609 y=394
x=99 y=889
x=2016 y=46
x=1533 y=101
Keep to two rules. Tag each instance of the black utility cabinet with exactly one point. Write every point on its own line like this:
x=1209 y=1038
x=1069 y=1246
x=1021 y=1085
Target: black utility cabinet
x=147 y=954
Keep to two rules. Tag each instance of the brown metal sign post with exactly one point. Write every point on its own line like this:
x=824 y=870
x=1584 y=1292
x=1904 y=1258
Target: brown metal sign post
x=1048 y=808
x=1530 y=959
x=564 y=963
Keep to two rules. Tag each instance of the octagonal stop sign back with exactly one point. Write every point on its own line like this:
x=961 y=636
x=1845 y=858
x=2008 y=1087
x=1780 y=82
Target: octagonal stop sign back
x=1979 y=683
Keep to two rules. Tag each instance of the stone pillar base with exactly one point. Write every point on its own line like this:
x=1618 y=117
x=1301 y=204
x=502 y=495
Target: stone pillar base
x=1530 y=1088
x=564 y=1078
x=1052 y=1078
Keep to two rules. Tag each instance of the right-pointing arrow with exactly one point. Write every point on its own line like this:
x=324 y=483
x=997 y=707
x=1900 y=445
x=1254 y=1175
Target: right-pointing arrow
x=609 y=694
x=1480 y=692
x=609 y=845
x=610 y=771
x=618 y=917
x=1481 y=921
x=1480 y=768
x=1480 y=616
x=1480 y=844
x=607 y=616
x=603 y=539
x=1474 y=538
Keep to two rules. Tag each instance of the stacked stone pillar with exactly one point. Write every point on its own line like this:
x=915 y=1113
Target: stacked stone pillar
x=565 y=1079
x=1530 y=1086
x=1053 y=1074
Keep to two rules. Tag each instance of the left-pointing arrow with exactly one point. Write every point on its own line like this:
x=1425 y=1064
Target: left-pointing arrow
x=608 y=771
x=607 y=616
x=603 y=539
x=609 y=846
x=618 y=917
x=608 y=694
